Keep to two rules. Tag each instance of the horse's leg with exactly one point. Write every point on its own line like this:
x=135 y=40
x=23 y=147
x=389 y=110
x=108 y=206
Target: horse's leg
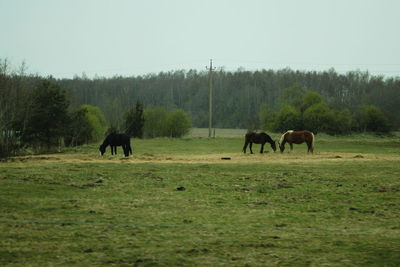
x=126 y=150
x=251 y=147
x=291 y=146
x=245 y=146
x=262 y=148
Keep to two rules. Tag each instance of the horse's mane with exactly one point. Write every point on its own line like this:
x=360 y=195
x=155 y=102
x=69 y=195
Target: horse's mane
x=283 y=136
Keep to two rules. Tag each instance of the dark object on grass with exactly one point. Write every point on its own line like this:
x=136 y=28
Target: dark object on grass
x=225 y=158
x=258 y=138
x=115 y=140
x=181 y=188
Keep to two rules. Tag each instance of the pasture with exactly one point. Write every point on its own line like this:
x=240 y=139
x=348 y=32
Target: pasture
x=177 y=203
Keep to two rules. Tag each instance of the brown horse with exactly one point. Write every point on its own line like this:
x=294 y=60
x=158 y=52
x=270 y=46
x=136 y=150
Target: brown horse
x=297 y=137
x=258 y=138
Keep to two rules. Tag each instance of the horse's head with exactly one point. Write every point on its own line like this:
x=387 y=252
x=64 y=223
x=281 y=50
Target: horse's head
x=273 y=145
x=102 y=150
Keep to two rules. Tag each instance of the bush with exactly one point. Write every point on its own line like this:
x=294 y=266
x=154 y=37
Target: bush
x=309 y=99
x=97 y=121
x=158 y=122
x=87 y=124
x=178 y=123
x=371 y=118
x=319 y=118
x=313 y=114
x=288 y=118
x=341 y=123
x=154 y=122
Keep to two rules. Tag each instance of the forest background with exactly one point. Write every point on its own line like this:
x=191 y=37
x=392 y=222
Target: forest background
x=273 y=100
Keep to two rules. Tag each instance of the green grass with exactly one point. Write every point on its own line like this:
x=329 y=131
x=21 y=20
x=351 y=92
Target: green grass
x=278 y=211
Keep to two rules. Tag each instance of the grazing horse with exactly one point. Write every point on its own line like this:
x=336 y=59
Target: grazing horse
x=115 y=140
x=297 y=137
x=258 y=138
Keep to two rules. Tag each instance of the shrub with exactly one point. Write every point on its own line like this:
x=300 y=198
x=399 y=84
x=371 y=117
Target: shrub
x=87 y=124
x=371 y=118
x=309 y=99
x=178 y=123
x=158 y=122
x=342 y=122
x=288 y=118
x=97 y=121
x=318 y=117
x=154 y=122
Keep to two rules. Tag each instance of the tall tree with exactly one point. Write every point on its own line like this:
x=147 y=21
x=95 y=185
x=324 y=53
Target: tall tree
x=80 y=130
x=134 y=121
x=48 y=116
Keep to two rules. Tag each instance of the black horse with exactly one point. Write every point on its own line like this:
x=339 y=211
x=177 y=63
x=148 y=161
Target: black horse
x=258 y=138
x=115 y=140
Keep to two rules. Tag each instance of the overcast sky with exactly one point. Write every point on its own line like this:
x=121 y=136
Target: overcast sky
x=64 y=38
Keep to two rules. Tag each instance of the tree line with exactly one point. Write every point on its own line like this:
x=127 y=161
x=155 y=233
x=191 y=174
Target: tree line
x=238 y=96
x=169 y=103
x=36 y=115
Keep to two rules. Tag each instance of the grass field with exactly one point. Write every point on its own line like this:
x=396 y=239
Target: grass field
x=177 y=203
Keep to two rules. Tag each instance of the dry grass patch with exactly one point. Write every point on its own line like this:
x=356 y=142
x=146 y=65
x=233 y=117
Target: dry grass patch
x=225 y=158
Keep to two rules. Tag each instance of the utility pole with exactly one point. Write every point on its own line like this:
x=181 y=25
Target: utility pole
x=210 y=70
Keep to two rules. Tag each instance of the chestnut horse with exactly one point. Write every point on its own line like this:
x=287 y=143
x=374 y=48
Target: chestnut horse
x=297 y=137
x=258 y=138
